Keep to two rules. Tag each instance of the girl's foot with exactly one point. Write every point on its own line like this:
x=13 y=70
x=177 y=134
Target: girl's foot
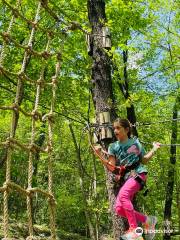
x=131 y=235
x=149 y=227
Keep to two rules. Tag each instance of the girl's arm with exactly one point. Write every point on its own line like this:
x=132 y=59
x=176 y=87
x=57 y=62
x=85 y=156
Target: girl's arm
x=149 y=155
x=99 y=152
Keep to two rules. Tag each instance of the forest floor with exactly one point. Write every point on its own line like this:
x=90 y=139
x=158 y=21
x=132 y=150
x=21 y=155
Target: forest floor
x=19 y=231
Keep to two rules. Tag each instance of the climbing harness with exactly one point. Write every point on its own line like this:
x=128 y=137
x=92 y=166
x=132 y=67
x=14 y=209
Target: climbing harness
x=118 y=171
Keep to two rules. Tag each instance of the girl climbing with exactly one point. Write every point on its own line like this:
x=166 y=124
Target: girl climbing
x=130 y=156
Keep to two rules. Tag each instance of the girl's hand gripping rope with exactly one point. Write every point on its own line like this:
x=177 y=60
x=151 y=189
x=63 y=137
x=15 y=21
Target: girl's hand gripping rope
x=148 y=156
x=97 y=149
x=156 y=146
x=99 y=153
x=119 y=172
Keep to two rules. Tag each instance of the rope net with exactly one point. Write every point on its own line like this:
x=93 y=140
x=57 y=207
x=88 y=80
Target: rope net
x=32 y=43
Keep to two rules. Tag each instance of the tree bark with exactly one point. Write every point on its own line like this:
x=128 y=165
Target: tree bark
x=102 y=92
x=171 y=172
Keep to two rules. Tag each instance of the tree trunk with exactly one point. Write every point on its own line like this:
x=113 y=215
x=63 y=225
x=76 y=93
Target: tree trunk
x=80 y=170
x=102 y=88
x=178 y=200
x=95 y=196
x=124 y=87
x=171 y=172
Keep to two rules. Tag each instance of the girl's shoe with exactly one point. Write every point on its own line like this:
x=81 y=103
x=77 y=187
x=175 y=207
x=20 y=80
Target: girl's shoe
x=149 y=227
x=131 y=235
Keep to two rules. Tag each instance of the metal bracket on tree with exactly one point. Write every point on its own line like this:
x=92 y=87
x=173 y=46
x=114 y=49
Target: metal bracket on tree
x=105 y=131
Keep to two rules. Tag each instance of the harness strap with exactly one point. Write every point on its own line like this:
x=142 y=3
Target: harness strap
x=133 y=166
x=122 y=170
x=140 y=181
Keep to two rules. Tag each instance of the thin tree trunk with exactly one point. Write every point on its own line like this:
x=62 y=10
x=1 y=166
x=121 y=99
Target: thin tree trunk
x=176 y=227
x=102 y=92
x=171 y=172
x=124 y=87
x=80 y=170
x=178 y=199
x=95 y=196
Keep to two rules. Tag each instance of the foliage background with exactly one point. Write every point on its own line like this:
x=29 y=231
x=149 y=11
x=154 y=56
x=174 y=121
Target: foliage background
x=151 y=31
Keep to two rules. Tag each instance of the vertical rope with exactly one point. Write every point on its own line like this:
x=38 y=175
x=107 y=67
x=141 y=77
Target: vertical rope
x=5 y=203
x=30 y=169
x=3 y=49
x=33 y=128
x=50 y=152
x=31 y=37
x=9 y=150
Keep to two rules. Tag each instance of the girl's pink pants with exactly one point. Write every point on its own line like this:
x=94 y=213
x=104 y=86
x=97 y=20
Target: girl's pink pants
x=123 y=204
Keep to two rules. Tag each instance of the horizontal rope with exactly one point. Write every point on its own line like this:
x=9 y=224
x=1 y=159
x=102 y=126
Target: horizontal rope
x=170 y=144
x=4 y=71
x=37 y=115
x=72 y=25
x=44 y=107
x=91 y=125
x=155 y=122
x=11 y=185
x=27 y=147
x=110 y=125
x=162 y=144
x=23 y=76
x=17 y=13
x=43 y=192
x=44 y=54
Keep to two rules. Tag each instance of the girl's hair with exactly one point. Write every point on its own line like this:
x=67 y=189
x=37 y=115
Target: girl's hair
x=125 y=124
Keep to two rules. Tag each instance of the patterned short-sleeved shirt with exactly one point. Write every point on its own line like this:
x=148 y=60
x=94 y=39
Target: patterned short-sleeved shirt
x=128 y=153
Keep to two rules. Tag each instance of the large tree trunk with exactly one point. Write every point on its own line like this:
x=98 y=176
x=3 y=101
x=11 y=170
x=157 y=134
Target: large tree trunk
x=171 y=172
x=102 y=88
